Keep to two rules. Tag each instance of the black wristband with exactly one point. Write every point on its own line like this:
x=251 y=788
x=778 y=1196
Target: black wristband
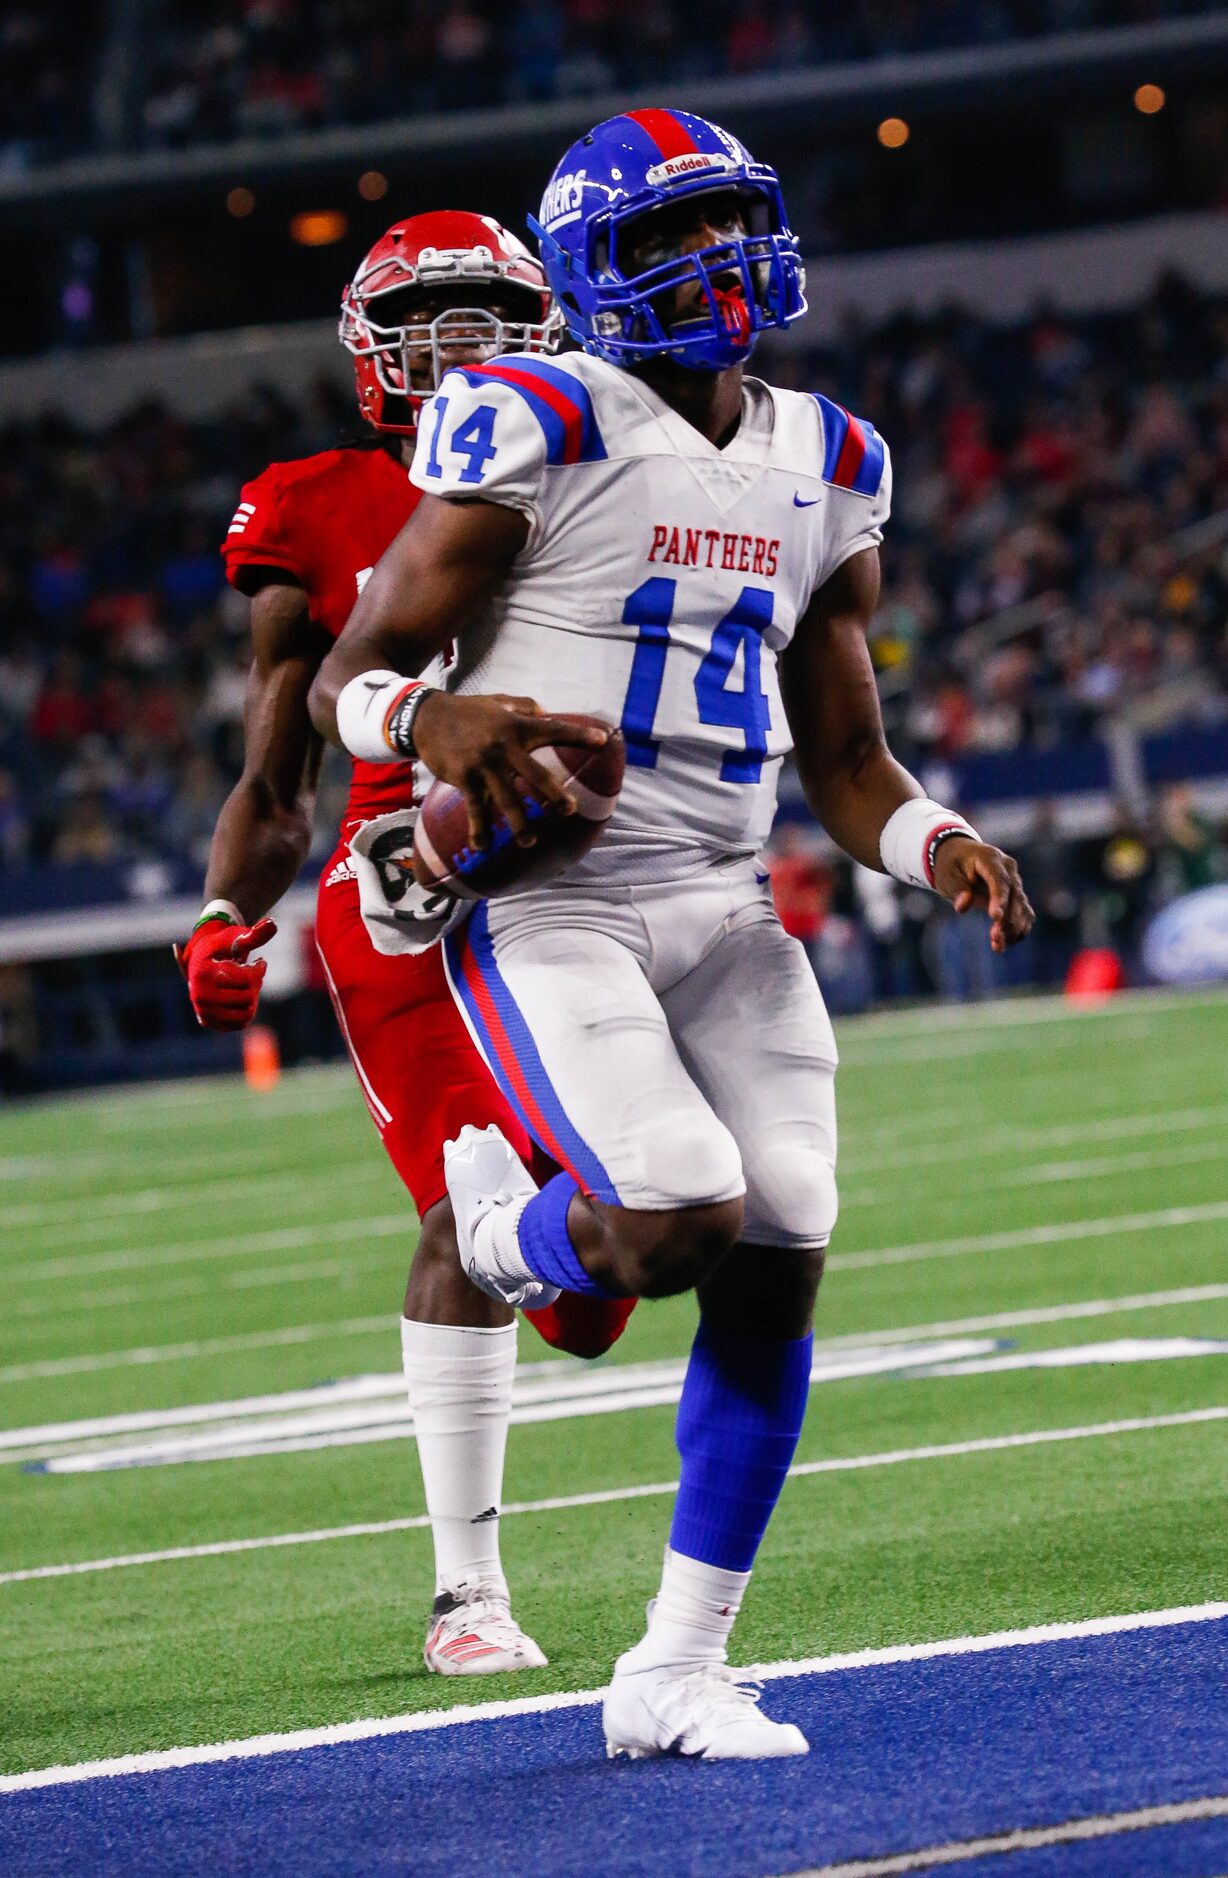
x=399 y=726
x=936 y=840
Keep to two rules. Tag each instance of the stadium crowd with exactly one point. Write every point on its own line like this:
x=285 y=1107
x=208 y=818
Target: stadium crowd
x=1053 y=568
x=244 y=68
x=265 y=66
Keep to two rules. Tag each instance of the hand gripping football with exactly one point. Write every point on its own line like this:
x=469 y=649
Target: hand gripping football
x=444 y=858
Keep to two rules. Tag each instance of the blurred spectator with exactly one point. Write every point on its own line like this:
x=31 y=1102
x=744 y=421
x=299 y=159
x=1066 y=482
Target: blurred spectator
x=18 y=1029
x=61 y=716
x=1191 y=853
x=188 y=824
x=140 y=798
x=14 y=828
x=47 y=74
x=1123 y=869
x=86 y=835
x=1049 y=866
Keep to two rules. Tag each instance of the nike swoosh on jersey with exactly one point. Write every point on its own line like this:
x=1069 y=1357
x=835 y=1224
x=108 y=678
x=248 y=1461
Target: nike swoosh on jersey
x=800 y=502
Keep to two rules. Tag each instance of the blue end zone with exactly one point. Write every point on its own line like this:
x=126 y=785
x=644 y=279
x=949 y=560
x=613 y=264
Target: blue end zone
x=1193 y=1851
x=902 y=1756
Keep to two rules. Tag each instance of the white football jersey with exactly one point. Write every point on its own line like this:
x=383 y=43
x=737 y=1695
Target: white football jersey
x=660 y=581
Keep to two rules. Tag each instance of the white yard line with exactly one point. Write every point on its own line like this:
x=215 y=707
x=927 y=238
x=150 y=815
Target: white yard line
x=1114 y=1350
x=1030 y=1838
x=1056 y=1232
x=1010 y=1013
x=869 y=1154
x=854 y=1463
x=874 y=1191
x=391 y=1225
x=374 y=1408
x=93 y=1216
x=119 y=1159
x=123 y=1297
x=354 y=1389
x=877 y=1052
x=218 y=1246
x=1037 y=1314
x=142 y=1357
x=97 y=1217
x=256 y=1746
x=1101 y=1115
x=278 y=1107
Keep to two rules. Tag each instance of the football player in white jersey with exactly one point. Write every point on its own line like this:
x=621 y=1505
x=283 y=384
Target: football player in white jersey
x=640 y=530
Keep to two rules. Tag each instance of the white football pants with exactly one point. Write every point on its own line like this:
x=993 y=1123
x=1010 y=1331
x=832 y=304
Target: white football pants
x=667 y=1044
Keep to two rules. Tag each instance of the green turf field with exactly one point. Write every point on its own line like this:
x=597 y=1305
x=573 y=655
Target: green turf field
x=1022 y=1174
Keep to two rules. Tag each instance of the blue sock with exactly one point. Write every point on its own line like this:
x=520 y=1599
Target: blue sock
x=545 y=1243
x=742 y=1408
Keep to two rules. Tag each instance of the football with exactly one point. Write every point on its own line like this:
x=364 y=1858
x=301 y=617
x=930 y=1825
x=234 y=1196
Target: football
x=443 y=856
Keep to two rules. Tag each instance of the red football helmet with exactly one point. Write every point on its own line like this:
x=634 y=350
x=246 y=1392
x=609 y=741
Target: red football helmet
x=401 y=348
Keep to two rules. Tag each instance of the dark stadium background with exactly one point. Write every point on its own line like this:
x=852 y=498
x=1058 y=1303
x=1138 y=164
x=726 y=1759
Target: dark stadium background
x=1015 y=219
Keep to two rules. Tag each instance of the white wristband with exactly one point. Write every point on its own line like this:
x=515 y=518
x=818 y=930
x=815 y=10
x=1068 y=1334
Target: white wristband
x=220 y=909
x=364 y=708
x=907 y=843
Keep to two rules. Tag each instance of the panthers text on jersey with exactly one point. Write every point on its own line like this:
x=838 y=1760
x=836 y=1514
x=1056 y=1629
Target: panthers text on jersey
x=660 y=580
x=325 y=521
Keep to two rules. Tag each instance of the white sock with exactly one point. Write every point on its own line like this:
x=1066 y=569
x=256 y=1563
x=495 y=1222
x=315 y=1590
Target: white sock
x=693 y=1613
x=496 y=1243
x=460 y=1391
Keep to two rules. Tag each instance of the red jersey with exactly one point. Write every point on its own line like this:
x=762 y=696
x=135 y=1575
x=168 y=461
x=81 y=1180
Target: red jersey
x=325 y=521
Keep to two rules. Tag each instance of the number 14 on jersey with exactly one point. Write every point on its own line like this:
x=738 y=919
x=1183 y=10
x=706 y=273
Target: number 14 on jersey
x=650 y=609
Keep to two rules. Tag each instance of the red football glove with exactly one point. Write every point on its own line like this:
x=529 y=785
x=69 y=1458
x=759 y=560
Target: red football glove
x=223 y=984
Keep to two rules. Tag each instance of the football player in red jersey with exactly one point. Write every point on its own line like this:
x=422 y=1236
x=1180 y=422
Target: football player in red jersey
x=437 y=290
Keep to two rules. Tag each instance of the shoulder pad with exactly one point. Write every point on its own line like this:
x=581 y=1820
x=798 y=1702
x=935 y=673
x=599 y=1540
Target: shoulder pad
x=854 y=455
x=558 y=399
x=262 y=531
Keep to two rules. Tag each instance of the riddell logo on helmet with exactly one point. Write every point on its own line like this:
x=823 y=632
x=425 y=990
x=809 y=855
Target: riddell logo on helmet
x=687 y=165
x=561 y=202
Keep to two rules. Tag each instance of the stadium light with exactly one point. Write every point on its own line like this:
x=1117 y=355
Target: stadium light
x=318 y=228
x=893 y=133
x=240 y=202
x=372 y=185
x=1149 y=99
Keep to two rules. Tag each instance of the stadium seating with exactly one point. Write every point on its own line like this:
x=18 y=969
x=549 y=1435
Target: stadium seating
x=267 y=68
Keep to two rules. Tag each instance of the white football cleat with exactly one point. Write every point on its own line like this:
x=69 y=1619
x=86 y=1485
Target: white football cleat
x=704 y=1713
x=472 y=1633
x=482 y=1173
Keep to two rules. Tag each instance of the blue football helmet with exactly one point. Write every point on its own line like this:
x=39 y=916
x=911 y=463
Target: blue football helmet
x=626 y=168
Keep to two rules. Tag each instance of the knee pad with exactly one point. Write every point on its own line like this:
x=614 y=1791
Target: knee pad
x=688 y=1158
x=791 y=1197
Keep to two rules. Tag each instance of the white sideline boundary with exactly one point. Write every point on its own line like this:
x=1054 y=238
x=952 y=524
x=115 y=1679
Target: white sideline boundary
x=255 y=1746
x=1026 y=1839
x=610 y=1496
